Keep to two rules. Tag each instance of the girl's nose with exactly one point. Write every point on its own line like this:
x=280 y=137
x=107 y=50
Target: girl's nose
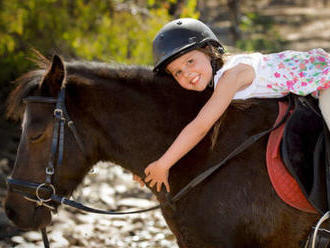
x=187 y=73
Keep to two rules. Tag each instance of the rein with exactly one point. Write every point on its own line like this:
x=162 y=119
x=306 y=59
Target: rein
x=45 y=193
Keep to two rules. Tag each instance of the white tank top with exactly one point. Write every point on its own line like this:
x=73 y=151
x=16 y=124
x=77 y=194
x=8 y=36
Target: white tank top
x=258 y=88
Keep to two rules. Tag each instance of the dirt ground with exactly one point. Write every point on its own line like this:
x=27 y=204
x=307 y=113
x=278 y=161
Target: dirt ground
x=111 y=187
x=108 y=187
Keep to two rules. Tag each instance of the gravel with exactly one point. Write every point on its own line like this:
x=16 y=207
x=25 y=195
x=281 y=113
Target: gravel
x=73 y=228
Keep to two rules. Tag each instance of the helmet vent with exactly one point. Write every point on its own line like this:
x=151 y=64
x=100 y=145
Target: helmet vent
x=192 y=39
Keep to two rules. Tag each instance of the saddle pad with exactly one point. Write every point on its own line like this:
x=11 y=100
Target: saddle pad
x=284 y=184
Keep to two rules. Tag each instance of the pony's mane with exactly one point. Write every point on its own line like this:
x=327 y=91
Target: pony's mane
x=26 y=84
x=100 y=70
x=83 y=71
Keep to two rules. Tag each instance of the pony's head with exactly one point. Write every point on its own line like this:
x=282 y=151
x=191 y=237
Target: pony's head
x=35 y=100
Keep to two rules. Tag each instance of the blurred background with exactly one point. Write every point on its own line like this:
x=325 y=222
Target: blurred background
x=121 y=31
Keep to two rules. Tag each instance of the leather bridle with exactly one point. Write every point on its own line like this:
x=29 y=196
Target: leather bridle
x=47 y=188
x=44 y=193
x=35 y=191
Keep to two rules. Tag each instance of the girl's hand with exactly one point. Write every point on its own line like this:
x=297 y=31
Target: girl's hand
x=157 y=174
x=138 y=179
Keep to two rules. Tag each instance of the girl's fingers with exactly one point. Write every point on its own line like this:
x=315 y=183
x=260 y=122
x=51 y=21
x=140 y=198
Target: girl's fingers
x=167 y=186
x=148 y=178
x=136 y=178
x=159 y=186
x=152 y=183
x=147 y=171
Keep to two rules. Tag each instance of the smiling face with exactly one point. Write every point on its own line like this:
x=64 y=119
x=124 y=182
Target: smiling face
x=193 y=70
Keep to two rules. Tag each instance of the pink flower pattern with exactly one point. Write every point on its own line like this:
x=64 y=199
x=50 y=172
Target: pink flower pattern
x=277 y=75
x=301 y=73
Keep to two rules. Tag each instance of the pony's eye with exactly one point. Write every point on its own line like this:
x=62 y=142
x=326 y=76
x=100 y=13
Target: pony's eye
x=36 y=137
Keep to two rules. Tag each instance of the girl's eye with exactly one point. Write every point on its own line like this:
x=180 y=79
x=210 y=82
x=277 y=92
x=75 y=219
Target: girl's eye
x=178 y=73
x=190 y=61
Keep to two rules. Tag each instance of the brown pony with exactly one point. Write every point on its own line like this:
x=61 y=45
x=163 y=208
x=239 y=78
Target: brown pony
x=128 y=116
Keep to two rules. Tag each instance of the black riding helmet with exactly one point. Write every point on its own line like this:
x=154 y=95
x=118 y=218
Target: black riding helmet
x=179 y=37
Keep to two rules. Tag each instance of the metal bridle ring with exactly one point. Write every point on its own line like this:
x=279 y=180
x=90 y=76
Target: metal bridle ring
x=45 y=185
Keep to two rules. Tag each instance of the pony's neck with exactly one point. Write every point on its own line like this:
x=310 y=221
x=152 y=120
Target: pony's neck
x=132 y=122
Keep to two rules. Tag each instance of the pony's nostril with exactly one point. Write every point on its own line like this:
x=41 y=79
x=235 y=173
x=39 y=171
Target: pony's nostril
x=10 y=212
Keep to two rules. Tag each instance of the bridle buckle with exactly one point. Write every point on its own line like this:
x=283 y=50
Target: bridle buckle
x=49 y=171
x=58 y=113
x=41 y=201
x=51 y=186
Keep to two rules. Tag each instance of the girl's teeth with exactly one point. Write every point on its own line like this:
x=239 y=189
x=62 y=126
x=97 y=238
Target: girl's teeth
x=195 y=80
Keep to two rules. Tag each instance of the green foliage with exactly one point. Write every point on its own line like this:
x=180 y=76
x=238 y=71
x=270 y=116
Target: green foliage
x=259 y=34
x=103 y=30
x=189 y=9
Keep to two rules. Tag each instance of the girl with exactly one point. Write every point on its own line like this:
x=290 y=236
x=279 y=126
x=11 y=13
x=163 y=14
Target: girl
x=189 y=51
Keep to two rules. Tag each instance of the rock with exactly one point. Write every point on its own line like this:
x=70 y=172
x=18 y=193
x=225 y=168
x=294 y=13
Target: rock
x=165 y=243
x=120 y=189
x=27 y=245
x=135 y=202
x=86 y=218
x=109 y=202
x=18 y=239
x=119 y=223
x=159 y=236
x=32 y=236
x=106 y=189
x=59 y=240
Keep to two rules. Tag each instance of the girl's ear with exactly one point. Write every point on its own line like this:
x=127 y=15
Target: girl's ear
x=54 y=78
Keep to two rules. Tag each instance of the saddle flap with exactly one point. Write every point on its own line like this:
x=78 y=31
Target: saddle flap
x=302 y=151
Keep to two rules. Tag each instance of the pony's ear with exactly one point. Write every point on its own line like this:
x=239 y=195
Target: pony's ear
x=54 y=78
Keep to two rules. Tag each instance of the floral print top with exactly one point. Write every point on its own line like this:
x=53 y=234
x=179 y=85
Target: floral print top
x=278 y=74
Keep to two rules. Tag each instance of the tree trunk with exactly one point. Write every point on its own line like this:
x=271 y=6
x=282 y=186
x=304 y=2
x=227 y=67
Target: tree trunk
x=235 y=17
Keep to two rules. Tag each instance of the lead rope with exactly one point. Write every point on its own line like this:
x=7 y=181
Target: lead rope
x=44 y=237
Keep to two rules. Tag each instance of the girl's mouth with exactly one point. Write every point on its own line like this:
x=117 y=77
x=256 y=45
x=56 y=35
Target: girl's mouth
x=195 y=79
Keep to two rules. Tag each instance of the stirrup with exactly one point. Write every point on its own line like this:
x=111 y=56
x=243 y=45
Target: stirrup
x=319 y=223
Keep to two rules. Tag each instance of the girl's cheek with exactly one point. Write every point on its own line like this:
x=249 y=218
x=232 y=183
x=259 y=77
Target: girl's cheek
x=184 y=85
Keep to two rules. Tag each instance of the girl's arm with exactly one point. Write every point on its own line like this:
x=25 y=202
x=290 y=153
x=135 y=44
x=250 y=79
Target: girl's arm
x=233 y=80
